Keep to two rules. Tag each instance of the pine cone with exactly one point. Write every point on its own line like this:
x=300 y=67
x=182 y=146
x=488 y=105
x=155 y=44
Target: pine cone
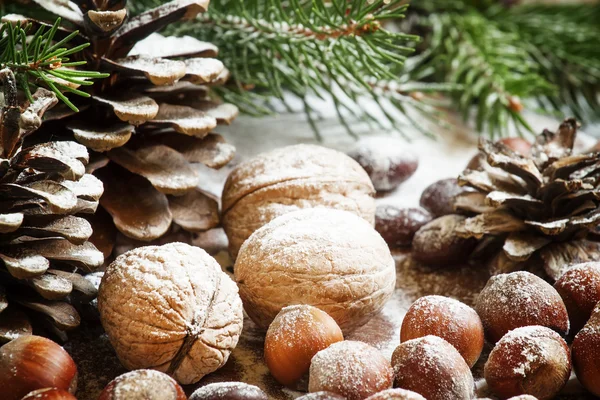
x=152 y=118
x=43 y=243
x=545 y=203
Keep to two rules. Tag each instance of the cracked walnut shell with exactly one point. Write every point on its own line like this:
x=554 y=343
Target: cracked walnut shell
x=330 y=259
x=170 y=308
x=289 y=179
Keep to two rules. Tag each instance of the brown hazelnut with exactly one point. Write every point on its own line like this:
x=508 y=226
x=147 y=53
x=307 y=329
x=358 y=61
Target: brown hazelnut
x=351 y=369
x=49 y=394
x=229 y=391
x=437 y=243
x=510 y=301
x=531 y=360
x=449 y=319
x=32 y=362
x=330 y=258
x=396 y=394
x=397 y=226
x=438 y=198
x=321 y=396
x=524 y=397
x=586 y=353
x=143 y=384
x=296 y=334
x=170 y=308
x=288 y=179
x=433 y=368
x=386 y=159
x=517 y=144
x=579 y=288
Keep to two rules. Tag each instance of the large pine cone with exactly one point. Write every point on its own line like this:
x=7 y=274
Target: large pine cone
x=152 y=119
x=547 y=202
x=43 y=239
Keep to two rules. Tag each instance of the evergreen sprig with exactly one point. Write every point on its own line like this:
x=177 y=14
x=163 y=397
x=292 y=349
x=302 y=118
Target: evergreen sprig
x=500 y=52
x=40 y=60
x=338 y=50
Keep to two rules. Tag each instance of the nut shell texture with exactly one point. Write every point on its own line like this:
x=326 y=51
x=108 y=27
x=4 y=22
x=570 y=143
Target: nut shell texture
x=330 y=259
x=510 y=301
x=170 y=308
x=289 y=179
x=352 y=369
x=433 y=368
x=531 y=360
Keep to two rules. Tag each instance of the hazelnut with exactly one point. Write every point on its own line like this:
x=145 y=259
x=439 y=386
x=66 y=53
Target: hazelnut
x=170 y=308
x=351 y=369
x=517 y=144
x=296 y=334
x=437 y=243
x=386 y=159
x=229 y=391
x=321 y=396
x=438 y=198
x=509 y=301
x=288 y=179
x=524 y=397
x=143 y=384
x=32 y=362
x=531 y=360
x=579 y=288
x=317 y=256
x=49 y=394
x=396 y=394
x=449 y=319
x=397 y=225
x=586 y=352
x=433 y=368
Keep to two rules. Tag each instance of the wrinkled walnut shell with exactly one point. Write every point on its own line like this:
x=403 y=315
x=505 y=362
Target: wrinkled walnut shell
x=288 y=179
x=170 y=308
x=328 y=258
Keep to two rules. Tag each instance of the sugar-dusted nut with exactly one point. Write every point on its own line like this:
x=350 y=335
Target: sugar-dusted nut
x=510 y=301
x=398 y=225
x=330 y=258
x=288 y=179
x=49 y=394
x=453 y=321
x=531 y=360
x=321 y=396
x=586 y=353
x=170 y=308
x=433 y=368
x=296 y=334
x=143 y=384
x=524 y=397
x=387 y=160
x=351 y=369
x=229 y=391
x=396 y=394
x=438 y=198
x=33 y=362
x=436 y=243
x=579 y=288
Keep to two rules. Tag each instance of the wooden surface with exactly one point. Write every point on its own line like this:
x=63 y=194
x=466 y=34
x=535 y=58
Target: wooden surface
x=443 y=158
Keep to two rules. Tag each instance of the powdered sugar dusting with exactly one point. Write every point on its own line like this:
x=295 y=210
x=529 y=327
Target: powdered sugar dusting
x=229 y=390
x=145 y=384
x=350 y=368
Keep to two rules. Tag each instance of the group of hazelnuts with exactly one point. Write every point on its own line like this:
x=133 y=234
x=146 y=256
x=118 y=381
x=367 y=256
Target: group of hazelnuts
x=526 y=320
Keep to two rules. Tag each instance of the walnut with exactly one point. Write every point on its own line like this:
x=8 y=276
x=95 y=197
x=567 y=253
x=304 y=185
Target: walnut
x=289 y=179
x=331 y=259
x=170 y=308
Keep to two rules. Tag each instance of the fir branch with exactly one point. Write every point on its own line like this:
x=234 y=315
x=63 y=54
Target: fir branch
x=335 y=49
x=38 y=60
